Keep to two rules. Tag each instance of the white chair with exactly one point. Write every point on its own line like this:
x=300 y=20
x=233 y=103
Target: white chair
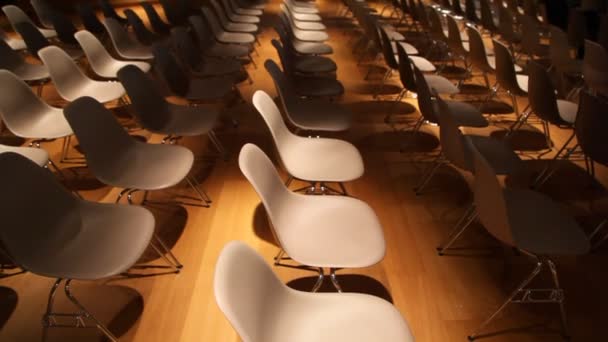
x=303 y=7
x=319 y=160
x=126 y=47
x=301 y=24
x=261 y=308
x=311 y=230
x=100 y=60
x=15 y=15
x=303 y=35
x=44 y=12
x=26 y=115
x=71 y=83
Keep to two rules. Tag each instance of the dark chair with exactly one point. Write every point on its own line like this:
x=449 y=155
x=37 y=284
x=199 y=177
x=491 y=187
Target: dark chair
x=142 y=33
x=158 y=25
x=89 y=19
x=110 y=12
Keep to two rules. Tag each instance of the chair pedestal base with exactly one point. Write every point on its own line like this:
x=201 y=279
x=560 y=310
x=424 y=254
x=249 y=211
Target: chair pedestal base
x=281 y=256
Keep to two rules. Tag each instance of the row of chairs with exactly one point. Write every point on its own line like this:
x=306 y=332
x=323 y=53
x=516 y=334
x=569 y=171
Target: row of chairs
x=115 y=236
x=499 y=209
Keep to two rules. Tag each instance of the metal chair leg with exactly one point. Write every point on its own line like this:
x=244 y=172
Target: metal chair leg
x=320 y=280
x=535 y=271
x=463 y=223
x=429 y=174
x=334 y=279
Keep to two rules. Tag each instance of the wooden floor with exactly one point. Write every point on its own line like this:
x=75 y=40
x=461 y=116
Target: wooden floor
x=442 y=298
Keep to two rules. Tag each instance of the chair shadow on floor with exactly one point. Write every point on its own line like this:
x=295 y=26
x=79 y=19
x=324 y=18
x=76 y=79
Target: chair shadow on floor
x=118 y=307
x=171 y=222
x=8 y=304
x=398 y=141
x=356 y=283
x=372 y=110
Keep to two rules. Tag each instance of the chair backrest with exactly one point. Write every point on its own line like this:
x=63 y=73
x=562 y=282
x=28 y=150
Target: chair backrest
x=64 y=28
x=141 y=32
x=246 y=289
x=451 y=138
x=185 y=47
x=477 y=50
x=577 y=29
x=487 y=18
x=530 y=39
x=34 y=40
x=457 y=8
x=272 y=116
x=541 y=94
x=284 y=88
x=559 y=50
x=9 y=58
x=63 y=71
x=201 y=30
x=530 y=9
x=387 y=50
x=591 y=125
x=109 y=12
x=286 y=62
x=212 y=22
x=44 y=12
x=169 y=70
x=96 y=53
x=19 y=106
x=39 y=215
x=505 y=68
x=425 y=97
x=454 y=38
x=151 y=109
x=506 y=25
x=89 y=19
x=15 y=15
x=471 y=11
x=102 y=139
x=219 y=12
x=406 y=74
x=158 y=25
x=436 y=26
x=119 y=36
x=595 y=67
x=488 y=197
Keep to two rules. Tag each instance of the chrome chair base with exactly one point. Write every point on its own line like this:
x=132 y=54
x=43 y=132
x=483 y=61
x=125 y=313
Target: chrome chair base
x=82 y=318
x=280 y=257
x=523 y=295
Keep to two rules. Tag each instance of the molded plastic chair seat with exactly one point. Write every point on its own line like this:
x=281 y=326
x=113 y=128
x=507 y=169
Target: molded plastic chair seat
x=208 y=89
x=223 y=36
x=317 y=160
x=213 y=48
x=465 y=114
x=311 y=48
x=14 y=42
x=15 y=16
x=26 y=115
x=242 y=10
x=441 y=84
x=557 y=233
x=214 y=67
x=228 y=50
x=498 y=153
x=125 y=46
x=71 y=83
x=298 y=8
x=308 y=114
x=310 y=36
x=306 y=17
x=522 y=82
x=320 y=115
x=319 y=316
x=567 y=110
x=422 y=63
x=314 y=64
x=36 y=155
x=329 y=160
x=317 y=86
x=318 y=225
x=409 y=48
x=492 y=64
x=12 y=61
x=102 y=63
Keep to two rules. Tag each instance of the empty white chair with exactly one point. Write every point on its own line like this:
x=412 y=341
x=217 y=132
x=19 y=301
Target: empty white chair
x=312 y=230
x=15 y=15
x=100 y=60
x=126 y=47
x=71 y=83
x=312 y=160
x=11 y=60
x=261 y=308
